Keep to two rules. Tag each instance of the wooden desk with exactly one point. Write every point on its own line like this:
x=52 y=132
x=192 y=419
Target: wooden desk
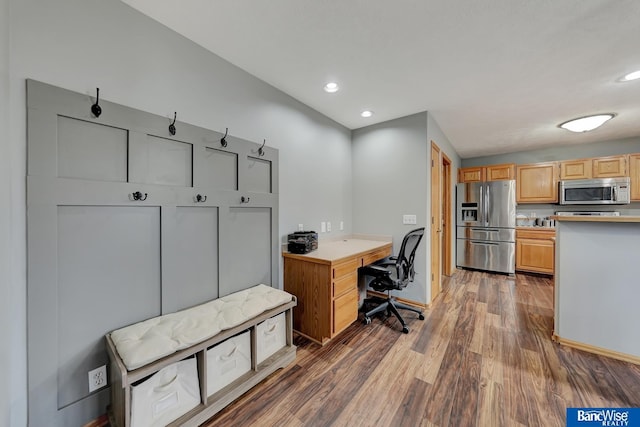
x=325 y=282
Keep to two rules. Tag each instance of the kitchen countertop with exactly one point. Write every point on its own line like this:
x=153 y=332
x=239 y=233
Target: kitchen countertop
x=535 y=228
x=597 y=218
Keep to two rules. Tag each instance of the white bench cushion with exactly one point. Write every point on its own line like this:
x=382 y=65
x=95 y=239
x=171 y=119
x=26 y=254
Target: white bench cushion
x=144 y=342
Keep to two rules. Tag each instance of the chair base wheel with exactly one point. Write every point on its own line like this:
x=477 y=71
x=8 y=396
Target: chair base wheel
x=367 y=321
x=405 y=329
x=421 y=316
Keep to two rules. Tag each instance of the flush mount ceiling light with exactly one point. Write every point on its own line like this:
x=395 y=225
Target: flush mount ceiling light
x=585 y=124
x=366 y=113
x=331 y=87
x=631 y=76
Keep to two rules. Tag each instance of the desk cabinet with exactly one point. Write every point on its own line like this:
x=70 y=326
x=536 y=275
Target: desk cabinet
x=327 y=287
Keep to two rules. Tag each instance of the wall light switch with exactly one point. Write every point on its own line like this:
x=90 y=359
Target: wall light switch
x=409 y=219
x=329 y=226
x=323 y=227
x=341 y=225
x=300 y=227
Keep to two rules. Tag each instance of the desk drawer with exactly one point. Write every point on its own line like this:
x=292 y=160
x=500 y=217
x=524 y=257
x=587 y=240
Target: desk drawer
x=345 y=268
x=345 y=310
x=345 y=284
x=375 y=256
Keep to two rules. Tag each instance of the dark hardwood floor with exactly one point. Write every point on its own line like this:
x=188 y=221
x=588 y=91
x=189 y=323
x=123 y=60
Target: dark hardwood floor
x=482 y=357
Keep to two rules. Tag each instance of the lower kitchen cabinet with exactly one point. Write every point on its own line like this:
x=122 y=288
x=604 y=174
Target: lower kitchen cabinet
x=535 y=250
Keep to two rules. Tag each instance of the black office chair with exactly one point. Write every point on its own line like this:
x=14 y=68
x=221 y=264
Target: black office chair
x=393 y=273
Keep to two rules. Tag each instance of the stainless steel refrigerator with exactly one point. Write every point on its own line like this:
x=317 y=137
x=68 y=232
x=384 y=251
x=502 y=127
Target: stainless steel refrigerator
x=486 y=226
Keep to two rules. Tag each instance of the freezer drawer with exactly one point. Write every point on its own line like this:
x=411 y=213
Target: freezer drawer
x=485 y=255
x=487 y=233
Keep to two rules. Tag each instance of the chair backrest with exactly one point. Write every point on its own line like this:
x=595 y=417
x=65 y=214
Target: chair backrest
x=404 y=263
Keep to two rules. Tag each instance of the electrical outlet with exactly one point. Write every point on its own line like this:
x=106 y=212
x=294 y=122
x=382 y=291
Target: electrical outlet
x=328 y=226
x=97 y=378
x=323 y=227
x=300 y=227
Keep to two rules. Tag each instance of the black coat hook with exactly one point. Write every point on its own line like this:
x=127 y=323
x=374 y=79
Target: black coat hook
x=172 y=126
x=223 y=141
x=200 y=198
x=138 y=196
x=260 y=150
x=95 y=108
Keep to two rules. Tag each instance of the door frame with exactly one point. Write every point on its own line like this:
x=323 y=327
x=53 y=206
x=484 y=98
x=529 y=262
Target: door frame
x=447 y=208
x=435 y=215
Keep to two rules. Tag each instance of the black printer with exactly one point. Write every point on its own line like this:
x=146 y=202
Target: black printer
x=302 y=242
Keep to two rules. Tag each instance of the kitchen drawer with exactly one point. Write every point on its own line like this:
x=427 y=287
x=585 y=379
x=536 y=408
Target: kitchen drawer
x=345 y=267
x=542 y=233
x=375 y=256
x=345 y=284
x=345 y=310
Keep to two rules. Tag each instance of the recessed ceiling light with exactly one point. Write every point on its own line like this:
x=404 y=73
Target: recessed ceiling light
x=366 y=113
x=585 y=124
x=331 y=87
x=631 y=76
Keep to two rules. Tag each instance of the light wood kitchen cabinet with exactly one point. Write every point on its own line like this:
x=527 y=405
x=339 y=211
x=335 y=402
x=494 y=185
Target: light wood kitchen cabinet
x=537 y=183
x=576 y=169
x=634 y=174
x=487 y=173
x=597 y=167
x=610 y=167
x=500 y=172
x=473 y=174
x=325 y=282
x=535 y=250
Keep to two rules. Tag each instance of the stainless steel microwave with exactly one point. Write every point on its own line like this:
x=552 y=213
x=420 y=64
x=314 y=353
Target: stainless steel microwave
x=602 y=191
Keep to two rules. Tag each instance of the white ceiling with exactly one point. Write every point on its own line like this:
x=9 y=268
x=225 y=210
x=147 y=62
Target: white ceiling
x=497 y=75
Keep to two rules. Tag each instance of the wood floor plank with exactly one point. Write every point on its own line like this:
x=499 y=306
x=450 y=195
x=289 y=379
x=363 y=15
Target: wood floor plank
x=386 y=388
x=412 y=407
x=483 y=356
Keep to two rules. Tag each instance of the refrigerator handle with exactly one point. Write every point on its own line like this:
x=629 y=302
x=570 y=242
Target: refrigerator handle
x=487 y=202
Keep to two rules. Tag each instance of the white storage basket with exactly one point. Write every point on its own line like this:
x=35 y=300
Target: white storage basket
x=165 y=396
x=271 y=337
x=228 y=361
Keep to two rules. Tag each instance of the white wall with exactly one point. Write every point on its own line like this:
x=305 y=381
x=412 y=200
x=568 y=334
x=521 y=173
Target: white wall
x=84 y=44
x=390 y=179
x=6 y=322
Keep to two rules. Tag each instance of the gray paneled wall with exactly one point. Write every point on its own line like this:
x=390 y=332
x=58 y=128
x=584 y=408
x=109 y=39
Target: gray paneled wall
x=100 y=258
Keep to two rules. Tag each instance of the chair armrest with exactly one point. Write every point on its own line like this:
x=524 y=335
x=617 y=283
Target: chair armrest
x=388 y=261
x=375 y=270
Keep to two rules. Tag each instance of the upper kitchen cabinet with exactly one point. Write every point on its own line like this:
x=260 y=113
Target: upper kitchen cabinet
x=576 y=169
x=500 y=172
x=610 y=167
x=537 y=183
x=598 y=167
x=634 y=173
x=487 y=173
x=474 y=174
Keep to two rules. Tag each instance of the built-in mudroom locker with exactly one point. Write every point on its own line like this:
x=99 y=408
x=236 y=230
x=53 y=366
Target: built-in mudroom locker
x=131 y=215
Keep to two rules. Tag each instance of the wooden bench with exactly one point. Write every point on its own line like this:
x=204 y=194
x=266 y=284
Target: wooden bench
x=123 y=380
